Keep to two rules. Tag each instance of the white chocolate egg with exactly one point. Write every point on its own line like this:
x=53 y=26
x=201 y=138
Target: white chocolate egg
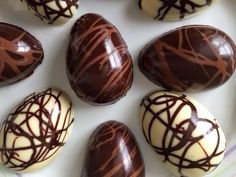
x=33 y=134
x=183 y=133
x=53 y=11
x=170 y=10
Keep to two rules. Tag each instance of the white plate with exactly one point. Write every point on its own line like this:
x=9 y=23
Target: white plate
x=137 y=29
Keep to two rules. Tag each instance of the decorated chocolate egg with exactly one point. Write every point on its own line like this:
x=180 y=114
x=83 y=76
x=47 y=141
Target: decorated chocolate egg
x=189 y=58
x=185 y=136
x=99 y=65
x=33 y=134
x=174 y=9
x=113 y=152
x=53 y=11
x=20 y=54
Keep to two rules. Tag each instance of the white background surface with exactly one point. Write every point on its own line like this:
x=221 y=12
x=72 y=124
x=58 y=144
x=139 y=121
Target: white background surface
x=137 y=29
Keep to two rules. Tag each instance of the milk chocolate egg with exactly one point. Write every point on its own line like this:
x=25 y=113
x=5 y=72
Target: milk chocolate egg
x=20 y=54
x=99 y=65
x=53 y=11
x=113 y=152
x=185 y=136
x=33 y=134
x=189 y=58
x=170 y=10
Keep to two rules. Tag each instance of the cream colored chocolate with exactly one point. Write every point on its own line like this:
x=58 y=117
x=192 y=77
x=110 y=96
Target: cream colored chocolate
x=53 y=11
x=34 y=133
x=183 y=133
x=174 y=9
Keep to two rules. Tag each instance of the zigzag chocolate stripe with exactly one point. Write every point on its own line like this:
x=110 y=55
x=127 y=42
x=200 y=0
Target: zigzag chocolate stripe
x=53 y=11
x=42 y=122
x=20 y=54
x=99 y=63
x=113 y=152
x=181 y=135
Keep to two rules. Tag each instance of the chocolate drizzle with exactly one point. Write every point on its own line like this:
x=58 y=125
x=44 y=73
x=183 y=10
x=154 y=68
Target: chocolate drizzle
x=113 y=152
x=180 y=5
x=52 y=10
x=20 y=54
x=179 y=138
x=99 y=65
x=39 y=125
x=193 y=57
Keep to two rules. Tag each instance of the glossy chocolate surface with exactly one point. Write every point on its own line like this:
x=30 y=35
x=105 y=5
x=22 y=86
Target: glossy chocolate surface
x=99 y=65
x=170 y=10
x=53 y=11
x=113 y=152
x=33 y=134
x=185 y=136
x=20 y=54
x=189 y=58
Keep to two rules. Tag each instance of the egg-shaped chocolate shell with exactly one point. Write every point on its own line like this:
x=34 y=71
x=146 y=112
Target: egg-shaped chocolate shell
x=189 y=58
x=53 y=11
x=113 y=151
x=33 y=134
x=170 y=10
x=185 y=136
x=99 y=65
x=20 y=54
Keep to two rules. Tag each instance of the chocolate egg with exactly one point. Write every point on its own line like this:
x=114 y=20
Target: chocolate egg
x=170 y=10
x=185 y=136
x=33 y=134
x=189 y=58
x=20 y=54
x=99 y=65
x=53 y=11
x=113 y=152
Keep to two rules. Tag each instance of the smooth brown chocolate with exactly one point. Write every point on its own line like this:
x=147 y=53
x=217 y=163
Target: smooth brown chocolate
x=113 y=152
x=99 y=65
x=53 y=11
x=190 y=58
x=20 y=54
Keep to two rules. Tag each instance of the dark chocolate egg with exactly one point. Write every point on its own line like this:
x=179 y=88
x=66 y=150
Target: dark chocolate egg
x=53 y=11
x=185 y=136
x=35 y=132
x=113 y=152
x=99 y=65
x=190 y=58
x=20 y=54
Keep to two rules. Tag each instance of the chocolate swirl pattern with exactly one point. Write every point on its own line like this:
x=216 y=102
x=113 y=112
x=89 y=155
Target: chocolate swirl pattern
x=113 y=152
x=173 y=9
x=183 y=133
x=99 y=65
x=53 y=11
x=20 y=54
x=192 y=58
x=34 y=133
